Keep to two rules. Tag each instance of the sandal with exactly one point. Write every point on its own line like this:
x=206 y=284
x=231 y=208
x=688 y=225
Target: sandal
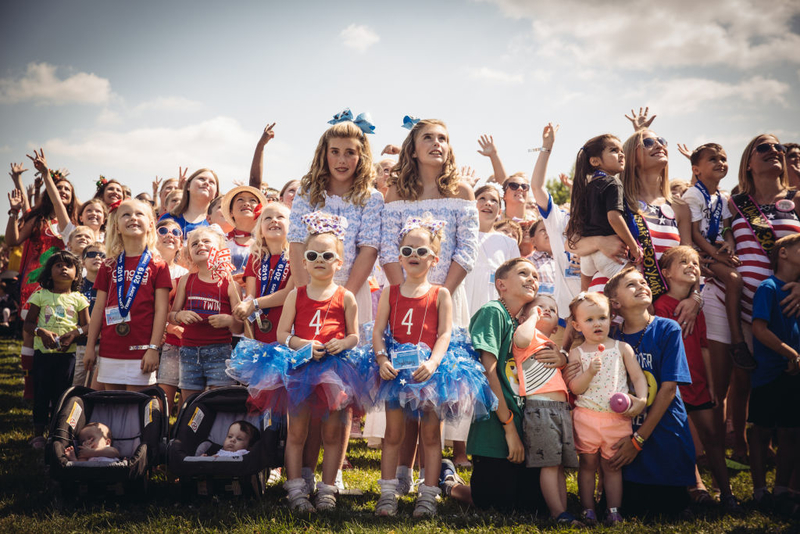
x=741 y=356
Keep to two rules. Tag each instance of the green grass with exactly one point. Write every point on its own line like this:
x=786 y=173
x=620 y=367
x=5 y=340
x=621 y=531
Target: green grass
x=31 y=502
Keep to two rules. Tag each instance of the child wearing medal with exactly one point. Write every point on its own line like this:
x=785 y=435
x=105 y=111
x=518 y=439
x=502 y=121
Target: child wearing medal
x=132 y=290
x=424 y=375
x=203 y=304
x=267 y=274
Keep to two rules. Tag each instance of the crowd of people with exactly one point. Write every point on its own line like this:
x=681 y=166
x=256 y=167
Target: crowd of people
x=624 y=334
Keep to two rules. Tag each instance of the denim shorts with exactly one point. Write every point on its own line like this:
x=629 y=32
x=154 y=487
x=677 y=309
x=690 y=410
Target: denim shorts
x=169 y=365
x=205 y=366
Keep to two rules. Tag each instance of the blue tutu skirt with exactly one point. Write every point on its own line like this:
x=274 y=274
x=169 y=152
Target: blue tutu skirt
x=457 y=389
x=325 y=385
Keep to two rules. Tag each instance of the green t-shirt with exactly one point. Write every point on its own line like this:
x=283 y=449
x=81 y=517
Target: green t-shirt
x=492 y=330
x=58 y=313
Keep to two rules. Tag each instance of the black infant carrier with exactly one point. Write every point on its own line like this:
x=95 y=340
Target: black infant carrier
x=139 y=431
x=206 y=417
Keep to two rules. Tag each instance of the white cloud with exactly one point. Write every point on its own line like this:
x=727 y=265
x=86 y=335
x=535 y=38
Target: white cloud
x=5 y=149
x=687 y=95
x=650 y=36
x=359 y=37
x=496 y=76
x=40 y=84
x=168 y=103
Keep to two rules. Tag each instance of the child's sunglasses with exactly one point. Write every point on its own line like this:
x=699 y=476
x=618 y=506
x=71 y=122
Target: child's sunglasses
x=163 y=230
x=327 y=257
x=421 y=252
x=763 y=148
x=516 y=185
x=648 y=142
x=94 y=254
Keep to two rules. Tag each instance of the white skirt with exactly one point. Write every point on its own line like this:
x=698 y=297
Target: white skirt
x=123 y=372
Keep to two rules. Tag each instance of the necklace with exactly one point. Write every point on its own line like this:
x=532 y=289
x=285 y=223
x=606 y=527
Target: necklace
x=513 y=319
x=641 y=336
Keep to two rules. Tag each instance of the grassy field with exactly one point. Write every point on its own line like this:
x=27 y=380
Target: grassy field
x=30 y=502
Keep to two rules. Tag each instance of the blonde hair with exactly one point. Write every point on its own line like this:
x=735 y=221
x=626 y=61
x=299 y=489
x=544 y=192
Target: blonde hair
x=593 y=298
x=339 y=242
x=314 y=184
x=200 y=231
x=114 y=244
x=259 y=247
x=435 y=238
x=184 y=203
x=677 y=253
x=405 y=175
x=630 y=174
x=746 y=184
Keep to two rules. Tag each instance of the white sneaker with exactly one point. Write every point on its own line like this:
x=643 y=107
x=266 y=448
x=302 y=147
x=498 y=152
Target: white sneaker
x=326 y=497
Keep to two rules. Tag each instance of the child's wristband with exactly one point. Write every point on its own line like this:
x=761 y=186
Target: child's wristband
x=639 y=439
x=726 y=229
x=288 y=339
x=636 y=444
x=510 y=418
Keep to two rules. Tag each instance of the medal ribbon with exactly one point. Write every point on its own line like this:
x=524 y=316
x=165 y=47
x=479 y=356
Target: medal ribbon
x=126 y=303
x=652 y=272
x=716 y=215
x=275 y=279
x=760 y=226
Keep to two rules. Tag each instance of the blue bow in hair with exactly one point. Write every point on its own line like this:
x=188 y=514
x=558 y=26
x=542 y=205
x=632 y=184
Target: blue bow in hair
x=363 y=121
x=409 y=121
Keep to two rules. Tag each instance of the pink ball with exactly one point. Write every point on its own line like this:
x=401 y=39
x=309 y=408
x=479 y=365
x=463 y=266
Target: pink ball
x=620 y=402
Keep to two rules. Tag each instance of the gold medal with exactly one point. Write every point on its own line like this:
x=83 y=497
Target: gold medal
x=122 y=329
x=264 y=324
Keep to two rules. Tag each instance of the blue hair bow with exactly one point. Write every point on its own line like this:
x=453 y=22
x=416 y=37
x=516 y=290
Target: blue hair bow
x=409 y=121
x=363 y=121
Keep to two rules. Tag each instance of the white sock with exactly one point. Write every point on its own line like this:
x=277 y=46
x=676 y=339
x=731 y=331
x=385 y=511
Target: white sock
x=26 y=351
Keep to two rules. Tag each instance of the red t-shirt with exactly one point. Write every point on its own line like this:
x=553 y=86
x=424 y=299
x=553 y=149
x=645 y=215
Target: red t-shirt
x=697 y=392
x=205 y=299
x=142 y=312
x=322 y=320
x=414 y=320
x=253 y=270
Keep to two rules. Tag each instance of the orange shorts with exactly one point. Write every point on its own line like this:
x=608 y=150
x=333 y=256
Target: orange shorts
x=595 y=431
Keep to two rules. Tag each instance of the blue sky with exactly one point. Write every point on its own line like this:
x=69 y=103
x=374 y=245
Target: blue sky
x=132 y=90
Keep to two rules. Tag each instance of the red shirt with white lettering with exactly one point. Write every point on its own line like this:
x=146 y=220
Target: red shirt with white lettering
x=142 y=312
x=416 y=319
x=205 y=299
x=253 y=269
x=321 y=320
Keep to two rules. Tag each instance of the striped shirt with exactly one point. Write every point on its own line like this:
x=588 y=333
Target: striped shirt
x=756 y=266
x=664 y=233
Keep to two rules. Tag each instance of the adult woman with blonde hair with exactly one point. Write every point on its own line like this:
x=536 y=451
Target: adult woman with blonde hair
x=198 y=191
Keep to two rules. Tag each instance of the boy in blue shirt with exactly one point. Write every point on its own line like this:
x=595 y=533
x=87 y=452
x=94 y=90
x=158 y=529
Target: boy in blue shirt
x=776 y=383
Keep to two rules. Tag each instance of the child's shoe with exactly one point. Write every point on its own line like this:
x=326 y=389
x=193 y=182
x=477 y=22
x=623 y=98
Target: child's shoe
x=297 y=496
x=274 y=476
x=426 y=501
x=448 y=477
x=567 y=519
x=339 y=481
x=310 y=480
x=730 y=504
x=589 y=518
x=326 y=497
x=387 y=503
x=405 y=479
x=613 y=517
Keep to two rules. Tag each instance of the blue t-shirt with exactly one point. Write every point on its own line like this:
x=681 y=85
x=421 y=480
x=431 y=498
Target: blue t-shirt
x=88 y=291
x=186 y=227
x=667 y=457
x=766 y=306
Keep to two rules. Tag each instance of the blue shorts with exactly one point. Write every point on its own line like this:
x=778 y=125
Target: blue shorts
x=204 y=366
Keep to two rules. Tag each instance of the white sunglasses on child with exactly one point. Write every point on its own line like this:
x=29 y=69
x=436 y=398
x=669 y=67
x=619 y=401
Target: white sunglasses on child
x=421 y=252
x=327 y=256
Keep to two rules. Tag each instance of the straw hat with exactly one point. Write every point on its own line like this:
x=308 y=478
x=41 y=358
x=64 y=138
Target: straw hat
x=227 y=200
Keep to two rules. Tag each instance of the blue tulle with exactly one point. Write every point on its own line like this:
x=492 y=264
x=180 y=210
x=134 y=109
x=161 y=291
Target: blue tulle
x=262 y=368
x=456 y=390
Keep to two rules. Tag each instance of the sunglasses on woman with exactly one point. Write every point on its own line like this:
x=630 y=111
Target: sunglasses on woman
x=163 y=230
x=327 y=256
x=648 y=142
x=94 y=254
x=421 y=252
x=763 y=148
x=516 y=185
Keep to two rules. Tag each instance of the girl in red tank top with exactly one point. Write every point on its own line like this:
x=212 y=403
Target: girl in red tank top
x=417 y=313
x=203 y=304
x=319 y=322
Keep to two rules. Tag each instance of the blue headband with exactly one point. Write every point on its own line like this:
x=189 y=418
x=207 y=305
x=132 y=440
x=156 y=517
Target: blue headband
x=409 y=121
x=363 y=121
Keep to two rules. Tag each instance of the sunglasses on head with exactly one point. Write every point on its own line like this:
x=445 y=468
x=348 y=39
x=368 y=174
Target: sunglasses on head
x=516 y=185
x=94 y=254
x=421 y=252
x=327 y=256
x=763 y=148
x=648 y=142
x=163 y=230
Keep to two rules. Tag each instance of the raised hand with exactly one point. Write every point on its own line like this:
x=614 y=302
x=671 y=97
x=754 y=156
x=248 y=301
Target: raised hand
x=683 y=149
x=565 y=180
x=39 y=161
x=468 y=175
x=392 y=150
x=182 y=172
x=16 y=170
x=15 y=200
x=238 y=182
x=487 y=149
x=549 y=135
x=640 y=120
x=156 y=185
x=268 y=135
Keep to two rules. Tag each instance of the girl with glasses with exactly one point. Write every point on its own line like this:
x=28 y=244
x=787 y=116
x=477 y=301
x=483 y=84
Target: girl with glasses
x=93 y=257
x=418 y=365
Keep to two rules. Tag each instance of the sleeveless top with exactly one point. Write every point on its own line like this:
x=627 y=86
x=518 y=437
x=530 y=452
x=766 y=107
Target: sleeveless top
x=663 y=227
x=322 y=320
x=205 y=299
x=414 y=319
x=611 y=378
